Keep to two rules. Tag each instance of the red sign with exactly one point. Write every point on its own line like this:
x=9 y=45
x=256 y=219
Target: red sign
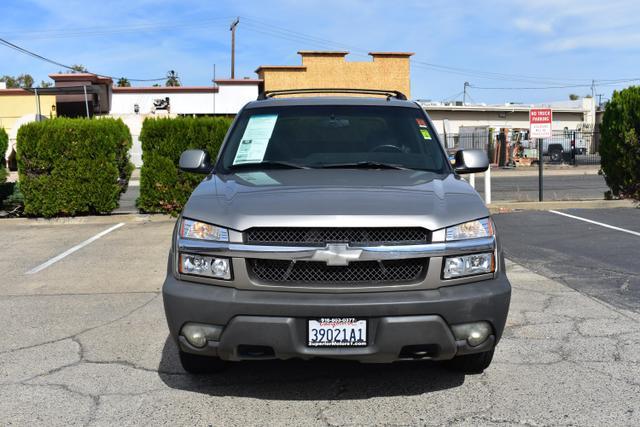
x=540 y=120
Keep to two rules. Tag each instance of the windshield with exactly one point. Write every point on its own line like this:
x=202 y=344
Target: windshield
x=301 y=137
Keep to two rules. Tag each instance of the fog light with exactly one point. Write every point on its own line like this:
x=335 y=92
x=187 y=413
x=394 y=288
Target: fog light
x=198 y=333
x=474 y=333
x=468 y=265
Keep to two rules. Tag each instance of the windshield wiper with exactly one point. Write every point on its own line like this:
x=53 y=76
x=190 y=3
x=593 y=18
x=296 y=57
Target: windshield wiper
x=268 y=164
x=362 y=165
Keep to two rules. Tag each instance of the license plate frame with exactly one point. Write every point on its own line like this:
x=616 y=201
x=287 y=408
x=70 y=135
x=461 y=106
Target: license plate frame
x=341 y=330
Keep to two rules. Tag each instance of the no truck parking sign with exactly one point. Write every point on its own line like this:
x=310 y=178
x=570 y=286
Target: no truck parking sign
x=540 y=123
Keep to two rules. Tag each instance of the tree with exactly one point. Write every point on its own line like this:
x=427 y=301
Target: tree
x=620 y=144
x=123 y=82
x=172 y=79
x=23 y=81
x=76 y=68
x=574 y=97
x=45 y=84
x=10 y=81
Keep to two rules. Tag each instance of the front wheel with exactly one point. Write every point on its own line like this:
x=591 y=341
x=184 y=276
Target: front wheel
x=556 y=156
x=196 y=364
x=471 y=363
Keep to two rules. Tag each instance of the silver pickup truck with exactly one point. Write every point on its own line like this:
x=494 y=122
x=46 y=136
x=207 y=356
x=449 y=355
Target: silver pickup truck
x=335 y=227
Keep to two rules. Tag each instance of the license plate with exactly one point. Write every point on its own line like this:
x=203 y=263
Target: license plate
x=337 y=332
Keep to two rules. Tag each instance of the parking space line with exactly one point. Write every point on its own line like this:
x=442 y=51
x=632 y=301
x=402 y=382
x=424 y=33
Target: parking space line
x=579 y=218
x=73 y=249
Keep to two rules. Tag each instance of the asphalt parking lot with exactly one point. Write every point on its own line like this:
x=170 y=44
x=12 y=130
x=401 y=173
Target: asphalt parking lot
x=84 y=340
x=555 y=187
x=596 y=260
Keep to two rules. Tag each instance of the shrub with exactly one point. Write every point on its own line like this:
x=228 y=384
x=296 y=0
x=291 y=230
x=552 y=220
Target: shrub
x=4 y=144
x=11 y=199
x=619 y=144
x=163 y=187
x=72 y=166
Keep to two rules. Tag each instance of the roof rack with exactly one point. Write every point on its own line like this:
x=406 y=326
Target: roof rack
x=388 y=93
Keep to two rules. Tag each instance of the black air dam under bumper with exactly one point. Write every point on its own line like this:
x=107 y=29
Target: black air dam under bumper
x=278 y=319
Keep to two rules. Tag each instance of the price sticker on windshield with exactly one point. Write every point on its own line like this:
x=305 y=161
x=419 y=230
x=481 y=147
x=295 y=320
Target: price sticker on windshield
x=255 y=139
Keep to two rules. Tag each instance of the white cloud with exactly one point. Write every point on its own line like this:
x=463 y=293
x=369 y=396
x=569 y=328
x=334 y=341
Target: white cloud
x=580 y=24
x=534 y=26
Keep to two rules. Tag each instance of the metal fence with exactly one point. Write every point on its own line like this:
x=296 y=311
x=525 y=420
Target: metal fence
x=506 y=149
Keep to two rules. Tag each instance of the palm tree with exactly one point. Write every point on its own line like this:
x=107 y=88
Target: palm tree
x=172 y=79
x=123 y=82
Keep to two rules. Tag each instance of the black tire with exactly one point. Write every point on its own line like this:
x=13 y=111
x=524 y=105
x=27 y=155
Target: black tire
x=556 y=156
x=471 y=363
x=196 y=364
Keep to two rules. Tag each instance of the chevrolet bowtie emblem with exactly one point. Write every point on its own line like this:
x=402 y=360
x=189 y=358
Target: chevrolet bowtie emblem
x=337 y=254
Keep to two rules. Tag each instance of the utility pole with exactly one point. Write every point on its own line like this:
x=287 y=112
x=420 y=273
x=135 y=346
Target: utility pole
x=464 y=96
x=214 y=89
x=234 y=24
x=593 y=104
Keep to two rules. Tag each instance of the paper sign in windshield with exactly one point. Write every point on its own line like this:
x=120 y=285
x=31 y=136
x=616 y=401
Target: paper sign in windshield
x=255 y=139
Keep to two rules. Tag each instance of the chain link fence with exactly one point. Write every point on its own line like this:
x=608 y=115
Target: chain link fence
x=508 y=148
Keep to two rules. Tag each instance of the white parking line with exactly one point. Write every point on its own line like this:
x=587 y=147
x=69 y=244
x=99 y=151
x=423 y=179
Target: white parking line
x=73 y=249
x=624 y=230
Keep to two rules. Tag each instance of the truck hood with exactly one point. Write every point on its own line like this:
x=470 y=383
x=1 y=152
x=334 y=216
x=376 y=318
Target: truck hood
x=334 y=198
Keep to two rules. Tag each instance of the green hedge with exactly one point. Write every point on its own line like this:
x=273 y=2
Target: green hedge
x=620 y=144
x=72 y=166
x=163 y=187
x=4 y=144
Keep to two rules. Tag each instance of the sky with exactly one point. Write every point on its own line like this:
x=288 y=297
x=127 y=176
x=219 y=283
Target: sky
x=508 y=50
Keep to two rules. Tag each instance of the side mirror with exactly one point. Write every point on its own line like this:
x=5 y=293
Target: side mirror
x=196 y=161
x=471 y=161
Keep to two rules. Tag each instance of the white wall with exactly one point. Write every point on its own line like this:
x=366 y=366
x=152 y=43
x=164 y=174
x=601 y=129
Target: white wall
x=491 y=119
x=228 y=100
x=231 y=98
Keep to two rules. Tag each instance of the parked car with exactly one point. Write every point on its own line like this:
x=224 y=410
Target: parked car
x=335 y=227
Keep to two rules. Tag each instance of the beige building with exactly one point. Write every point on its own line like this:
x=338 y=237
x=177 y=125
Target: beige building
x=325 y=69
x=451 y=118
x=20 y=106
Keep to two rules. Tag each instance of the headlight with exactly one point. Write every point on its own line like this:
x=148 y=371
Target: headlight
x=191 y=229
x=201 y=265
x=470 y=230
x=468 y=265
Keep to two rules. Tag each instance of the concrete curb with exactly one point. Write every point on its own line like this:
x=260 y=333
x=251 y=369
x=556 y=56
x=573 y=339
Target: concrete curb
x=106 y=219
x=503 y=207
x=533 y=171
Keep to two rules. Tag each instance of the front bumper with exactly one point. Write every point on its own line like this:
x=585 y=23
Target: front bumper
x=277 y=320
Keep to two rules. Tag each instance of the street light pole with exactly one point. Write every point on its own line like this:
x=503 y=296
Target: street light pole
x=234 y=24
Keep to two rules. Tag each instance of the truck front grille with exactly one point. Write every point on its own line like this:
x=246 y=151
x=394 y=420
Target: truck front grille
x=356 y=273
x=355 y=236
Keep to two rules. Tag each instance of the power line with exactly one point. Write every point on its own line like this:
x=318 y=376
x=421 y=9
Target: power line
x=103 y=31
x=272 y=30
x=32 y=54
x=552 y=83
x=452 y=97
x=590 y=85
x=283 y=33
x=68 y=67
